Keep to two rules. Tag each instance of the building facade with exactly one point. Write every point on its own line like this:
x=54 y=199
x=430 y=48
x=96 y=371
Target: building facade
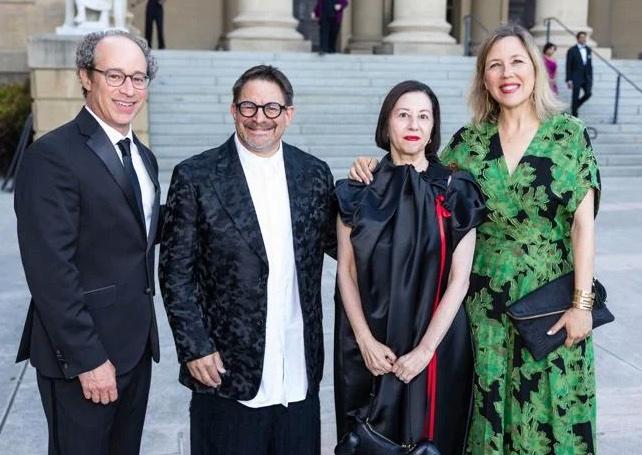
x=29 y=46
x=386 y=26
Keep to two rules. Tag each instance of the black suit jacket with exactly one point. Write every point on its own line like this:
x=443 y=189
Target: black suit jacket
x=576 y=70
x=214 y=269
x=88 y=260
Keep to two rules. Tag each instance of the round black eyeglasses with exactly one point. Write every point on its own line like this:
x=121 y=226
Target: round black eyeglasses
x=249 y=109
x=116 y=78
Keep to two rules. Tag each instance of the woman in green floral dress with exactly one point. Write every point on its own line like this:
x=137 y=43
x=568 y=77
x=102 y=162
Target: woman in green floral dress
x=541 y=180
x=537 y=170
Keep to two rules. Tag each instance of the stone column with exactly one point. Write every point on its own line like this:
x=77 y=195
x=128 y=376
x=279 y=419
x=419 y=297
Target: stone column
x=367 y=26
x=230 y=10
x=420 y=27
x=491 y=14
x=572 y=14
x=265 y=25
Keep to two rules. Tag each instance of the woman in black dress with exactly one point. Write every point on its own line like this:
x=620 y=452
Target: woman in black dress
x=406 y=245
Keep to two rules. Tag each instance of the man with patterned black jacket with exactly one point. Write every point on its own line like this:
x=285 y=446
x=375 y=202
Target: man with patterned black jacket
x=242 y=250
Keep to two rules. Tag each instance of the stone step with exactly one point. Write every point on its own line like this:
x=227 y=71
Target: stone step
x=229 y=58
x=336 y=115
x=620 y=128
x=618 y=149
x=603 y=83
x=604 y=138
x=621 y=171
x=608 y=160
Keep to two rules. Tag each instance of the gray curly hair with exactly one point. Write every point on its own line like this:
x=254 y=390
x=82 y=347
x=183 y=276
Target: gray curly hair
x=86 y=50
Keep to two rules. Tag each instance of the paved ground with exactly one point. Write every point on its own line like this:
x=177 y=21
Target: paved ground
x=619 y=357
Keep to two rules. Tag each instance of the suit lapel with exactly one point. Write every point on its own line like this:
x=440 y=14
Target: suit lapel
x=100 y=144
x=230 y=184
x=296 y=191
x=145 y=154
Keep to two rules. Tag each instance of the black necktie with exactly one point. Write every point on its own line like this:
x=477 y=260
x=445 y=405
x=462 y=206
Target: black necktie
x=124 y=147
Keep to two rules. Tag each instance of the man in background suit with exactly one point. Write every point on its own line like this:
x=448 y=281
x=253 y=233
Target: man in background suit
x=579 y=72
x=329 y=14
x=87 y=204
x=154 y=14
x=240 y=269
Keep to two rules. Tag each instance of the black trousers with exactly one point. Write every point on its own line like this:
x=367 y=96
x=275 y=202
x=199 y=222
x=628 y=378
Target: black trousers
x=78 y=426
x=576 y=100
x=220 y=426
x=328 y=33
x=154 y=13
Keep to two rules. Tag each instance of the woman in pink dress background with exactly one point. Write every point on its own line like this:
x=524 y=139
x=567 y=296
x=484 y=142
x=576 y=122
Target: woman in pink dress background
x=551 y=65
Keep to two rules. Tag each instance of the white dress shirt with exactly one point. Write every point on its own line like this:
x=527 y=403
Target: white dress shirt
x=148 y=192
x=284 y=379
x=583 y=53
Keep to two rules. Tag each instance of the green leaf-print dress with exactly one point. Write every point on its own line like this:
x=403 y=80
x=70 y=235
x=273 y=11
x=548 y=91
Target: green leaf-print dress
x=522 y=406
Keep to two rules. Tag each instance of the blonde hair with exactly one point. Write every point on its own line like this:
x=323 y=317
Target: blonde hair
x=483 y=106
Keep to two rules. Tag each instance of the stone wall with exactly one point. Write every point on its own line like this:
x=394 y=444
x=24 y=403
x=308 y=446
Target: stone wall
x=189 y=24
x=18 y=20
x=618 y=24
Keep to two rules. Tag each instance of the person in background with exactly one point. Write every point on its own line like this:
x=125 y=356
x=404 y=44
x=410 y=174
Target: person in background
x=551 y=65
x=329 y=14
x=579 y=72
x=154 y=14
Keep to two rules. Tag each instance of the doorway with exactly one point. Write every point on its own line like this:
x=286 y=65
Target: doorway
x=522 y=12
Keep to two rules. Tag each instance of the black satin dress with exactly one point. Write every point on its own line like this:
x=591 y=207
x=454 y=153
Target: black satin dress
x=400 y=253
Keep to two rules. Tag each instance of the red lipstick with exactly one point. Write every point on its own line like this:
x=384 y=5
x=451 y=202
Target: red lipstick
x=411 y=138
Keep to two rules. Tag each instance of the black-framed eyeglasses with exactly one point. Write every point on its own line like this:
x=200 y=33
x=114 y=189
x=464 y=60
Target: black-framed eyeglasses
x=116 y=78
x=249 y=109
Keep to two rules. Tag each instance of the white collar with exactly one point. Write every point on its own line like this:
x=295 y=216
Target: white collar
x=252 y=159
x=112 y=133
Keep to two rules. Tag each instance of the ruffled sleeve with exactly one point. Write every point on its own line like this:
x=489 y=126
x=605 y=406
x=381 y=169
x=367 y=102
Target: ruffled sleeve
x=349 y=194
x=587 y=173
x=574 y=170
x=466 y=204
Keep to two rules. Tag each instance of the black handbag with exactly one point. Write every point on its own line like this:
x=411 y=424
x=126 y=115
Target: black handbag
x=536 y=312
x=365 y=440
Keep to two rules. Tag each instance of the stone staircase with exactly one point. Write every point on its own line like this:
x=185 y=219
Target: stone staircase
x=337 y=99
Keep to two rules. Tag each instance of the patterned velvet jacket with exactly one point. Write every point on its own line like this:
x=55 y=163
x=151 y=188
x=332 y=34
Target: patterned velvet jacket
x=214 y=269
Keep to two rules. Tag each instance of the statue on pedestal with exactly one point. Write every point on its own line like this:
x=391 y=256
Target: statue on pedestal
x=110 y=14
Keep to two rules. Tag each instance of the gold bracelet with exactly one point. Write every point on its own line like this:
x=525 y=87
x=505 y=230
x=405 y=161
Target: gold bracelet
x=582 y=306
x=583 y=300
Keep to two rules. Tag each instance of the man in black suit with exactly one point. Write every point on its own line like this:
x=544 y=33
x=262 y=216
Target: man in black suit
x=154 y=14
x=87 y=204
x=240 y=269
x=579 y=72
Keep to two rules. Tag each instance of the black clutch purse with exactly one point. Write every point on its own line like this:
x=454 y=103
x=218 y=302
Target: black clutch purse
x=536 y=312
x=364 y=440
